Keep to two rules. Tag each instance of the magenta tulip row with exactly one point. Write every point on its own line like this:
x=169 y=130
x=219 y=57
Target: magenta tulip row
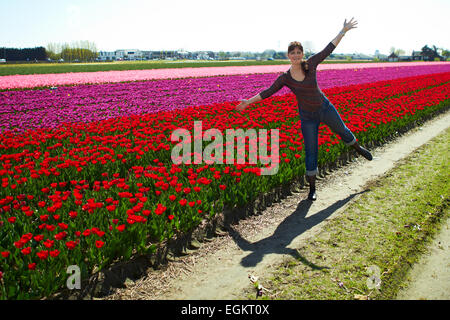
x=77 y=78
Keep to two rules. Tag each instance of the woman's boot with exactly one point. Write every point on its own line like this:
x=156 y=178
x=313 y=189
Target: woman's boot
x=362 y=151
x=312 y=187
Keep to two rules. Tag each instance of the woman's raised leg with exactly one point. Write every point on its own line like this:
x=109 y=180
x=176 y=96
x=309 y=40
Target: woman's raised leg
x=332 y=119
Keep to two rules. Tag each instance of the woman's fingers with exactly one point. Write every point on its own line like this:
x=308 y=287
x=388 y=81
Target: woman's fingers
x=351 y=24
x=241 y=105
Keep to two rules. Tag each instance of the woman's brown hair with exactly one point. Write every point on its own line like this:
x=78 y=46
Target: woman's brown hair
x=292 y=46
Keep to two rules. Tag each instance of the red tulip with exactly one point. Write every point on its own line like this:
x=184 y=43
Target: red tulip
x=73 y=214
x=71 y=245
x=49 y=243
x=42 y=254
x=26 y=250
x=54 y=253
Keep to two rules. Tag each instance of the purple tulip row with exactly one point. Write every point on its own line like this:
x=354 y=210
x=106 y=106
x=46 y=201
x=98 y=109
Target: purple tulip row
x=31 y=109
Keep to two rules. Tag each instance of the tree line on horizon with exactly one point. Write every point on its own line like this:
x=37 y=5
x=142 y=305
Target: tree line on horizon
x=76 y=51
x=86 y=51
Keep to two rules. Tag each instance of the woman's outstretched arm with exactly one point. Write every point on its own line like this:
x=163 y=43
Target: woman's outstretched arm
x=347 y=26
x=245 y=103
x=276 y=86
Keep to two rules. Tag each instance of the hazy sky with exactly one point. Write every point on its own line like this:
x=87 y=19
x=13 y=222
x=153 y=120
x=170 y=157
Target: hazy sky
x=228 y=25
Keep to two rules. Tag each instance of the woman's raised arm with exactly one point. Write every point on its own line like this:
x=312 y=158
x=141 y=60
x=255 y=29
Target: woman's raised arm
x=347 y=26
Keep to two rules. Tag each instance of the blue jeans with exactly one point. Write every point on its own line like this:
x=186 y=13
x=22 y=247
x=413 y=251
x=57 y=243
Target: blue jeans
x=310 y=129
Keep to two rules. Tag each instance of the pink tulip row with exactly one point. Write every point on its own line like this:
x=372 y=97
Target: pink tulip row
x=77 y=78
x=31 y=109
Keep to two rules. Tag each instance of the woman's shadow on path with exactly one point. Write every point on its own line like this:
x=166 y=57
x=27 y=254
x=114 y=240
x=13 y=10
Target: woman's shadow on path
x=291 y=227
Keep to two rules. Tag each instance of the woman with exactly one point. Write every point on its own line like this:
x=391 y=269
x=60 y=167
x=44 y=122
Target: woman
x=314 y=107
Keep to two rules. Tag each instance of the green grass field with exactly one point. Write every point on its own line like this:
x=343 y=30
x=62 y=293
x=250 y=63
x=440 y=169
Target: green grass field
x=380 y=235
x=42 y=68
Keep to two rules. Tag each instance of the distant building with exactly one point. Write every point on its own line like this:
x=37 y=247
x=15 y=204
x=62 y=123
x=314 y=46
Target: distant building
x=129 y=54
x=404 y=58
x=379 y=56
x=183 y=54
x=106 y=55
x=417 y=55
x=120 y=55
x=360 y=56
x=426 y=54
x=431 y=54
x=393 y=57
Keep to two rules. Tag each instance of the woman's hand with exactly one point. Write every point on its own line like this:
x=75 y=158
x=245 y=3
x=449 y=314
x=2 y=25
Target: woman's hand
x=241 y=106
x=349 y=25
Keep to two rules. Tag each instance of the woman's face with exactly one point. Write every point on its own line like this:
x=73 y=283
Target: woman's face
x=295 y=56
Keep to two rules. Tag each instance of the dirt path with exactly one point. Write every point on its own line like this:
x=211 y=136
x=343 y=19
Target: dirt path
x=430 y=278
x=220 y=268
